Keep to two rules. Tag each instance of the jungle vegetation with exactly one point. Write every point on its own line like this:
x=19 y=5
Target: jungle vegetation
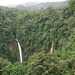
x=36 y=30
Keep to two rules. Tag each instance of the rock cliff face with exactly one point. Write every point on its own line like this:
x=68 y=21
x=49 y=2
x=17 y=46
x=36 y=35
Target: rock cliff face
x=12 y=46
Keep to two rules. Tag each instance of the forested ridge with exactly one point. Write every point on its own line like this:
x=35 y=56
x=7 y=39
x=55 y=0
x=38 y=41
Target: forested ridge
x=44 y=5
x=36 y=31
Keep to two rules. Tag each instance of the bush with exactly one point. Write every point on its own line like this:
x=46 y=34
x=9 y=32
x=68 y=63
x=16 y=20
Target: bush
x=43 y=64
x=16 y=68
x=3 y=63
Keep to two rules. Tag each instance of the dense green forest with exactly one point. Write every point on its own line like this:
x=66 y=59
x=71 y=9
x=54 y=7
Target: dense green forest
x=36 y=31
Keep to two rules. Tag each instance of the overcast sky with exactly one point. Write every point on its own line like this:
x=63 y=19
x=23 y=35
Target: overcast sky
x=9 y=2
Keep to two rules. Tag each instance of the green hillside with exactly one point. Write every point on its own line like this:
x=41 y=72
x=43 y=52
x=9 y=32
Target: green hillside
x=36 y=31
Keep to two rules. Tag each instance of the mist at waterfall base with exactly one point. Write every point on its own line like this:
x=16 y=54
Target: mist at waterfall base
x=20 y=51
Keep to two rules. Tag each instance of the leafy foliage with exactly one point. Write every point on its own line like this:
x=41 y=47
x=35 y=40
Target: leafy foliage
x=45 y=64
x=36 y=31
x=16 y=68
x=3 y=63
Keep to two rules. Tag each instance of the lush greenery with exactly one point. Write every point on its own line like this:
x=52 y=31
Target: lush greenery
x=36 y=31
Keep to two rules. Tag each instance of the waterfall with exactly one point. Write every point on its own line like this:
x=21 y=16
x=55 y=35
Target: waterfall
x=51 y=49
x=20 y=51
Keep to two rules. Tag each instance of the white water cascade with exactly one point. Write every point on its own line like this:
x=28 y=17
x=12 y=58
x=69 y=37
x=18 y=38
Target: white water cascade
x=20 y=51
x=51 y=49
